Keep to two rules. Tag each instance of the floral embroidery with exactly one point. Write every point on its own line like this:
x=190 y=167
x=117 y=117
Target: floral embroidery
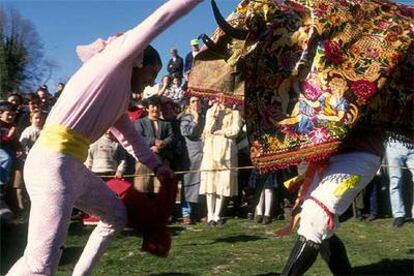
x=333 y=51
x=364 y=89
x=319 y=135
x=310 y=71
x=311 y=92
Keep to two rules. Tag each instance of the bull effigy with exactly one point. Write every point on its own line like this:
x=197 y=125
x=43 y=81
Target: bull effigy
x=323 y=82
x=308 y=72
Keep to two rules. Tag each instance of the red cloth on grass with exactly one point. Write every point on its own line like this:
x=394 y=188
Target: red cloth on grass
x=149 y=214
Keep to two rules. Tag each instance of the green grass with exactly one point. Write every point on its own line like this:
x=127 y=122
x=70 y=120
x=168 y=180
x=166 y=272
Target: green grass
x=240 y=247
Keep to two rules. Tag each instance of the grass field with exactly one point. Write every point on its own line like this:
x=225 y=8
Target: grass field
x=240 y=247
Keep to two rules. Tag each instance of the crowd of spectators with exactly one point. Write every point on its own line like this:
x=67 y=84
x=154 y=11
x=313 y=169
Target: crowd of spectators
x=203 y=140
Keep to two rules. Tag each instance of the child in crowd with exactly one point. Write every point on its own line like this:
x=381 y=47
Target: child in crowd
x=32 y=132
x=33 y=104
x=175 y=92
x=27 y=140
x=17 y=100
x=8 y=148
x=266 y=191
x=164 y=86
x=106 y=157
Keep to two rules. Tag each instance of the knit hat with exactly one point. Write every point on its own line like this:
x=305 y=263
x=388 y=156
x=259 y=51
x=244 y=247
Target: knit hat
x=194 y=42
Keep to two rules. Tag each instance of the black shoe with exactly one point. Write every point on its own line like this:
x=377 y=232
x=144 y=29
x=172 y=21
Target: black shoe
x=371 y=217
x=358 y=215
x=220 y=222
x=267 y=220
x=259 y=219
x=398 y=222
x=250 y=216
x=212 y=223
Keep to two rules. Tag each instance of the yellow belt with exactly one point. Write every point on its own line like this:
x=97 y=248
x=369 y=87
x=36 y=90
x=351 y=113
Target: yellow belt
x=64 y=140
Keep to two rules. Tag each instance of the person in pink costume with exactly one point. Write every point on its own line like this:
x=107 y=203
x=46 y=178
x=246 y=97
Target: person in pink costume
x=94 y=100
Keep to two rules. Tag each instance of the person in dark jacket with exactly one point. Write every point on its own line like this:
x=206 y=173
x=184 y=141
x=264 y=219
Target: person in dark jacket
x=175 y=64
x=159 y=137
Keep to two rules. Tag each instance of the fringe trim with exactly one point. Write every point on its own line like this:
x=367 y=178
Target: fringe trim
x=407 y=141
x=212 y=94
x=282 y=160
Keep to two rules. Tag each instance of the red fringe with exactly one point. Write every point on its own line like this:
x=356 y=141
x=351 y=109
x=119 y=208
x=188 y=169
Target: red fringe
x=212 y=94
x=274 y=161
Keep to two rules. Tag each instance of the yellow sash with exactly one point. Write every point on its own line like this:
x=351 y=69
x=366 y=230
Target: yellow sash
x=64 y=140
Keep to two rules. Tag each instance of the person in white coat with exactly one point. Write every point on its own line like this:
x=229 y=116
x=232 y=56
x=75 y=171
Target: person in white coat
x=223 y=124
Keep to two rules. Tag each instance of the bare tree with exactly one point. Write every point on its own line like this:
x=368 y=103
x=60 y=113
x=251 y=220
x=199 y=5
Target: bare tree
x=50 y=66
x=22 y=66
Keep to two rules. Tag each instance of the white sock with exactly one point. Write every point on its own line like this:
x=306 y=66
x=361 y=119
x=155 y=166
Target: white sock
x=268 y=201
x=259 y=206
x=211 y=200
x=219 y=205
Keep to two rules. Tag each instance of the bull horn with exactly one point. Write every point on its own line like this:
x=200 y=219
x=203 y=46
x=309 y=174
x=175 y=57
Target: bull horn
x=225 y=26
x=212 y=46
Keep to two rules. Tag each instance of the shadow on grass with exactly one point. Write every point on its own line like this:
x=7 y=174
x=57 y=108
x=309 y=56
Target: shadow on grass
x=239 y=238
x=233 y=239
x=269 y=274
x=387 y=267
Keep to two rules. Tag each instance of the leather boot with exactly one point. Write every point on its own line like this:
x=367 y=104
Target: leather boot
x=301 y=258
x=334 y=254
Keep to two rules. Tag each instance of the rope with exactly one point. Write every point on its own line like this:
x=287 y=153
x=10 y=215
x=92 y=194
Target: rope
x=226 y=169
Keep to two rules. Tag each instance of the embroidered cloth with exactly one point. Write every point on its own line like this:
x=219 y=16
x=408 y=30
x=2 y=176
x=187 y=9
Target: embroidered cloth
x=309 y=71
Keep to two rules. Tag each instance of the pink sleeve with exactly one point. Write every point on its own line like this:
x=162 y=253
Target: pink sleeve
x=132 y=43
x=133 y=142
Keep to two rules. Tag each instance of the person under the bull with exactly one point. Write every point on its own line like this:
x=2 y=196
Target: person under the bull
x=55 y=176
x=335 y=184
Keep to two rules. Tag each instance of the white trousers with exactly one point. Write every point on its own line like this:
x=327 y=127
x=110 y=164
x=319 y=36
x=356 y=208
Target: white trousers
x=265 y=202
x=345 y=176
x=214 y=206
x=56 y=183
